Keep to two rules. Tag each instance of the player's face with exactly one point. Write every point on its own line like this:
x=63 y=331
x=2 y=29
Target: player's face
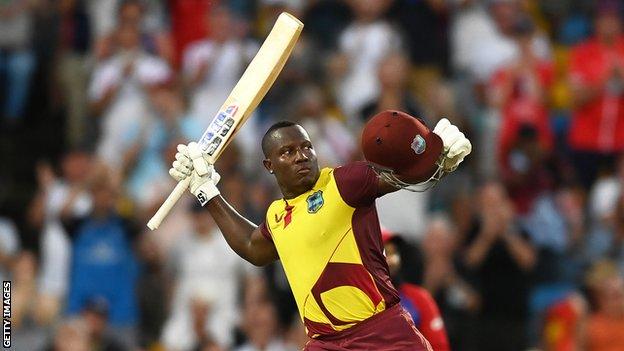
x=293 y=161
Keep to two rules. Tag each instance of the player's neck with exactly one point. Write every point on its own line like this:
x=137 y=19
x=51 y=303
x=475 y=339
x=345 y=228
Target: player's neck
x=293 y=193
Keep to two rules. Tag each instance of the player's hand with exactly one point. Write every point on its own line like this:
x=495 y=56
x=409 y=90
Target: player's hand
x=191 y=162
x=456 y=145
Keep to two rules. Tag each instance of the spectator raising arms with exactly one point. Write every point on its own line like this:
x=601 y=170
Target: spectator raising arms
x=103 y=260
x=597 y=86
x=213 y=65
x=499 y=257
x=57 y=196
x=363 y=44
x=518 y=90
x=120 y=93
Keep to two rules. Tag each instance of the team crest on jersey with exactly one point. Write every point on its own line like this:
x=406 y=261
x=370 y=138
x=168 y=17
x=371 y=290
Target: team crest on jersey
x=315 y=201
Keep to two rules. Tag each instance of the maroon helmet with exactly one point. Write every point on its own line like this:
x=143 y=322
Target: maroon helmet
x=402 y=150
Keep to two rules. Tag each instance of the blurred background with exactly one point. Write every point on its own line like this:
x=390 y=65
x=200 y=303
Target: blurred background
x=522 y=247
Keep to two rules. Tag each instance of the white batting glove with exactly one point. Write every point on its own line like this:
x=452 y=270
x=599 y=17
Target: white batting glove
x=456 y=145
x=190 y=162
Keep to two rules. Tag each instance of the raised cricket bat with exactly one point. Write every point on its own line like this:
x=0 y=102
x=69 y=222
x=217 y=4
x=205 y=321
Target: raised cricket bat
x=244 y=98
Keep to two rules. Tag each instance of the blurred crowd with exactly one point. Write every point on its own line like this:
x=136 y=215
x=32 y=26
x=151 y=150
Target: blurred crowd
x=522 y=247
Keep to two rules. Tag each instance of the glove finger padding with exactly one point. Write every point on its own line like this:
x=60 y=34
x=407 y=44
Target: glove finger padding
x=460 y=147
x=441 y=125
x=460 y=150
x=450 y=135
x=177 y=175
x=184 y=159
x=456 y=145
x=457 y=142
x=196 y=155
x=190 y=162
x=182 y=168
x=451 y=164
x=447 y=132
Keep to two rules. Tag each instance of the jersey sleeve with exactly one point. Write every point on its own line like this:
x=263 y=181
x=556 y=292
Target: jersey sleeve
x=358 y=184
x=264 y=230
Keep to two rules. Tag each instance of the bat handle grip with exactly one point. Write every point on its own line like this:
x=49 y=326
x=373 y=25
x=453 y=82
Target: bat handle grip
x=171 y=200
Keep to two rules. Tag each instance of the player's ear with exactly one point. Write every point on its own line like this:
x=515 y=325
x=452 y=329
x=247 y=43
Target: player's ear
x=267 y=164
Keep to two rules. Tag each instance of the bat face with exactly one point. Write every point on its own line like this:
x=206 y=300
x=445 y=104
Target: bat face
x=246 y=95
x=252 y=86
x=219 y=130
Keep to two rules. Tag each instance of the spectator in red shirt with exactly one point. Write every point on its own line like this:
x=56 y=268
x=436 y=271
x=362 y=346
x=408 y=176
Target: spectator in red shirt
x=597 y=86
x=188 y=23
x=415 y=299
x=563 y=323
x=518 y=89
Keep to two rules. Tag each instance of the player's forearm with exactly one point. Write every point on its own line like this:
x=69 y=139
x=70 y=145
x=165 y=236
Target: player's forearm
x=237 y=230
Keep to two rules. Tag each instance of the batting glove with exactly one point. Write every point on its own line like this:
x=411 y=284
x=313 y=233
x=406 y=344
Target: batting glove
x=191 y=162
x=456 y=145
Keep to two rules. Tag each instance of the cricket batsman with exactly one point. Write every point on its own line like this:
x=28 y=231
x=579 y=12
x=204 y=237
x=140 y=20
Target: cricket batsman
x=325 y=229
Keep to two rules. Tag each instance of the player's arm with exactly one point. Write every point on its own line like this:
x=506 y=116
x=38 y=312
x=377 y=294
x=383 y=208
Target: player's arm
x=244 y=237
